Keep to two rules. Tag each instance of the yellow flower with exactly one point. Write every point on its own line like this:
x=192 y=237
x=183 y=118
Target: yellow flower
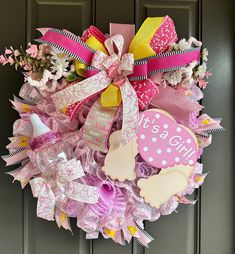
x=110 y=232
x=63 y=216
x=25 y=108
x=132 y=230
x=206 y=121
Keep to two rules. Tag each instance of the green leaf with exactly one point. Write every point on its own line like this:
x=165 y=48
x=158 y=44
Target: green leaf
x=72 y=77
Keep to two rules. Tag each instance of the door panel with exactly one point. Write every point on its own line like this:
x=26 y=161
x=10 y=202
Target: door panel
x=217 y=202
x=205 y=228
x=41 y=236
x=184 y=14
x=175 y=233
x=74 y=16
x=10 y=198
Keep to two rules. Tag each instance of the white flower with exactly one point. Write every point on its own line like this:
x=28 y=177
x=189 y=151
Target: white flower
x=194 y=41
x=59 y=59
x=183 y=45
x=187 y=83
x=173 y=46
x=174 y=77
x=201 y=70
x=204 y=54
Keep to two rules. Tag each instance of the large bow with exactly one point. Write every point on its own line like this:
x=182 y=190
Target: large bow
x=54 y=191
x=149 y=47
x=112 y=71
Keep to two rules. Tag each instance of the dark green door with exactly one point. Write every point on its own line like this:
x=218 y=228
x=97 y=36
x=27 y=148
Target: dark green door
x=206 y=228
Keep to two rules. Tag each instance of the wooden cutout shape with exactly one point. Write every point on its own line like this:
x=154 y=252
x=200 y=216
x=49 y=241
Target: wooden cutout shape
x=163 y=143
x=119 y=162
x=158 y=189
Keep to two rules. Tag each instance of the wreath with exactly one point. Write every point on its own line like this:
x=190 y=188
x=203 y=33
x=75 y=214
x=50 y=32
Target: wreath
x=110 y=130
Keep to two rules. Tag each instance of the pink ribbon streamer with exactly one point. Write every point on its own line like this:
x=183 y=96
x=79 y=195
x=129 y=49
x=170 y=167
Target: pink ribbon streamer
x=69 y=43
x=164 y=62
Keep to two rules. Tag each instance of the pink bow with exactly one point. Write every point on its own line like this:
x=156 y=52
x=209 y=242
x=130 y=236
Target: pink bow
x=108 y=68
x=55 y=191
x=116 y=65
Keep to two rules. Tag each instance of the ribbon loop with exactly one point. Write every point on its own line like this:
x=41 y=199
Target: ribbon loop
x=114 y=45
x=41 y=189
x=54 y=191
x=81 y=90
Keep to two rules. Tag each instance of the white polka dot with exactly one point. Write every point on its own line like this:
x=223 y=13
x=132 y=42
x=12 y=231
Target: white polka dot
x=163 y=162
x=159 y=151
x=178 y=129
x=177 y=159
x=154 y=139
x=145 y=149
x=169 y=150
x=165 y=126
x=157 y=116
x=191 y=162
x=142 y=136
x=150 y=159
x=188 y=140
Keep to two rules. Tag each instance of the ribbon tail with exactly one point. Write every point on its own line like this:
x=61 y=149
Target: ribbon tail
x=98 y=125
x=143 y=237
x=130 y=112
x=81 y=91
x=24 y=173
x=46 y=198
x=80 y=192
x=17 y=156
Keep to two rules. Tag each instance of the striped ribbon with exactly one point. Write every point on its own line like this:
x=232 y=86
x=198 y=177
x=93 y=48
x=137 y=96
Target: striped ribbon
x=73 y=46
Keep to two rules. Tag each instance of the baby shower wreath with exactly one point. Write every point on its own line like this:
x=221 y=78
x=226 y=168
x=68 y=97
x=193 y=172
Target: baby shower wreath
x=110 y=130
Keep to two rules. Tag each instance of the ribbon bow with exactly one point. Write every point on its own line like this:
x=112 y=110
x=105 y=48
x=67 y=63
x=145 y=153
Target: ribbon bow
x=111 y=71
x=103 y=71
x=117 y=66
x=55 y=191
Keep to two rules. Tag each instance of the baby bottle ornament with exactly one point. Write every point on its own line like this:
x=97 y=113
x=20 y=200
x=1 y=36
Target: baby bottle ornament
x=48 y=147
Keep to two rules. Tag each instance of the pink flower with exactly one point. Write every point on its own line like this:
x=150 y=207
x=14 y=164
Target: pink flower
x=3 y=60
x=8 y=52
x=208 y=74
x=202 y=83
x=32 y=51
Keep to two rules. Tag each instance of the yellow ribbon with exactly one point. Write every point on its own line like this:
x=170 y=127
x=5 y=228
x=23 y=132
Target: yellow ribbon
x=93 y=43
x=140 y=47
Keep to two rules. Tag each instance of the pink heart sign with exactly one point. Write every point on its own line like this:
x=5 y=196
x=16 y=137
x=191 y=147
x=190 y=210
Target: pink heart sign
x=164 y=143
